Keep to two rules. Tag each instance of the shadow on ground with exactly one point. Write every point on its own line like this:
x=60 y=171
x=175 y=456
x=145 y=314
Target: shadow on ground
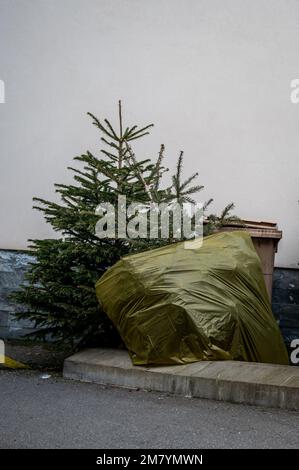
x=36 y=355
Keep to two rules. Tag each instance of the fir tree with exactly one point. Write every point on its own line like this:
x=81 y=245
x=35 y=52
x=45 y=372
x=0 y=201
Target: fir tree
x=59 y=294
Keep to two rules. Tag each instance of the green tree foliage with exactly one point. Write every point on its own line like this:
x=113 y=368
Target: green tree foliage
x=58 y=294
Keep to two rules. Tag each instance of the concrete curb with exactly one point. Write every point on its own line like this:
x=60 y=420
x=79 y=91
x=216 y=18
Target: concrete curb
x=268 y=385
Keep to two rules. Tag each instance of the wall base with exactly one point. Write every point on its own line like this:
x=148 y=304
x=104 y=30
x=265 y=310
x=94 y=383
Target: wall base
x=13 y=265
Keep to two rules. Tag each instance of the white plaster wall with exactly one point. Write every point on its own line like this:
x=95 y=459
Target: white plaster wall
x=213 y=75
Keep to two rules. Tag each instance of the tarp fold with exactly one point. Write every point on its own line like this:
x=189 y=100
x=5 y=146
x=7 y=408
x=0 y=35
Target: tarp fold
x=174 y=305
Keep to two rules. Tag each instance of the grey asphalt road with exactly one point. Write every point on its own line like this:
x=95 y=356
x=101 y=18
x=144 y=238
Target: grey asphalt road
x=55 y=413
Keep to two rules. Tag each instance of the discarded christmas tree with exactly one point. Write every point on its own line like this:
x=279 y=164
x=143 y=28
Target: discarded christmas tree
x=59 y=294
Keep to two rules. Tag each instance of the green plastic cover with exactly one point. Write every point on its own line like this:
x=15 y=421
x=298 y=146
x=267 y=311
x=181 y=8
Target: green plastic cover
x=174 y=305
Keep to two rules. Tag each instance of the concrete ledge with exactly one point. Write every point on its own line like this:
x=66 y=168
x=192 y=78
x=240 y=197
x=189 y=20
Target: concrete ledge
x=267 y=385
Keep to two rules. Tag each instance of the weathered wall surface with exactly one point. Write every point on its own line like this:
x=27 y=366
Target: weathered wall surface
x=13 y=264
x=285 y=302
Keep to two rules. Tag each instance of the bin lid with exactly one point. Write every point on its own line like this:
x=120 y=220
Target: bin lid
x=257 y=229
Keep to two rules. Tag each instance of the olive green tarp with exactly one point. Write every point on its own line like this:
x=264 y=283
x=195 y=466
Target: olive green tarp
x=174 y=305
